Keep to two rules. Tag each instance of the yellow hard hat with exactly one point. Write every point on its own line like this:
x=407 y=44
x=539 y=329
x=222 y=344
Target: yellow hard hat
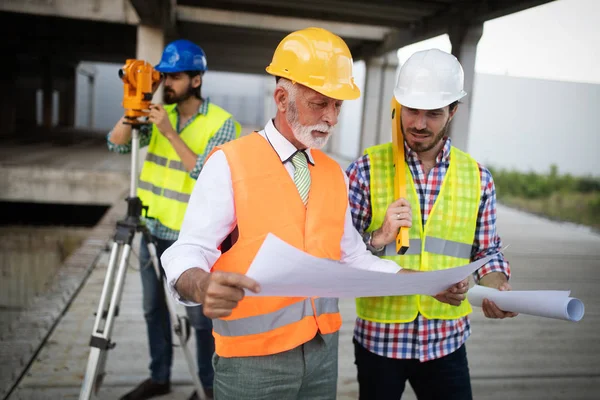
x=318 y=59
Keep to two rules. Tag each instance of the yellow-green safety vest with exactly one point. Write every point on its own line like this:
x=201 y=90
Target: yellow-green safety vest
x=445 y=242
x=165 y=185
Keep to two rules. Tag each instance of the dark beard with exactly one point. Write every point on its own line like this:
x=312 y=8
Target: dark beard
x=423 y=147
x=170 y=97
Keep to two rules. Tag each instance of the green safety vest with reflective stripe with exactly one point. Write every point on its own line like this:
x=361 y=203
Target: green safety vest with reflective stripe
x=165 y=185
x=445 y=241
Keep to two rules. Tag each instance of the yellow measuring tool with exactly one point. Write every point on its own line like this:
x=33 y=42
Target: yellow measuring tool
x=400 y=176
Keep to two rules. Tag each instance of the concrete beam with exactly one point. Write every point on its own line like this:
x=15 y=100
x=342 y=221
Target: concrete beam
x=99 y=10
x=392 y=42
x=468 y=13
x=42 y=184
x=372 y=13
x=278 y=23
x=157 y=13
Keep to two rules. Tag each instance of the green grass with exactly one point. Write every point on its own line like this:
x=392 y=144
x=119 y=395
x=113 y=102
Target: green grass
x=559 y=197
x=579 y=208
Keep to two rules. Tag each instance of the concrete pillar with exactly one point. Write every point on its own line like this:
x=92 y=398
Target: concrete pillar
x=91 y=103
x=66 y=114
x=379 y=89
x=89 y=72
x=25 y=113
x=464 y=40
x=47 y=93
x=270 y=108
x=8 y=106
x=150 y=45
x=390 y=74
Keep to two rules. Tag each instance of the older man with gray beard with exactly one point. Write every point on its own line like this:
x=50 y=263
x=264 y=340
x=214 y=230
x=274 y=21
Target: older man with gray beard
x=275 y=181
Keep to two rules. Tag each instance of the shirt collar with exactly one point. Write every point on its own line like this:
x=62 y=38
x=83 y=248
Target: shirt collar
x=443 y=155
x=204 y=106
x=284 y=149
x=203 y=109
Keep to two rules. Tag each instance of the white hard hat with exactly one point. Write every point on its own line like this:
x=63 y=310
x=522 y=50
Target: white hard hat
x=430 y=79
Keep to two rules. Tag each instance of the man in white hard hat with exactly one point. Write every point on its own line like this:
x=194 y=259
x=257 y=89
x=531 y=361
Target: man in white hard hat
x=450 y=210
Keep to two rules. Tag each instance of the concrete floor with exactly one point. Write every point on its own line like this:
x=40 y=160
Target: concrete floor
x=523 y=358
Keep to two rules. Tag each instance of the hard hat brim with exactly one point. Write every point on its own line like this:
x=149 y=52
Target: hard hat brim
x=426 y=102
x=349 y=91
x=172 y=70
x=343 y=93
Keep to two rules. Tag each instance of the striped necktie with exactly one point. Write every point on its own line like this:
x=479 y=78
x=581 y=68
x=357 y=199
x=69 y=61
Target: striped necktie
x=301 y=175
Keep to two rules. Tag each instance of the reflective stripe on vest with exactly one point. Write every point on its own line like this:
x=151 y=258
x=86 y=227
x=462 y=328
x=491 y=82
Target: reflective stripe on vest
x=163 y=161
x=433 y=245
x=444 y=242
x=282 y=317
x=169 y=194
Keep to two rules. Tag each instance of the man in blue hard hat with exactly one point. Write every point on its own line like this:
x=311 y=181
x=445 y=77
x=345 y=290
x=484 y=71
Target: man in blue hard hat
x=183 y=132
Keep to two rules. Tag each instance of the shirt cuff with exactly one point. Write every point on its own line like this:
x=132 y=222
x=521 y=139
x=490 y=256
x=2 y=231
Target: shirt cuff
x=494 y=265
x=174 y=269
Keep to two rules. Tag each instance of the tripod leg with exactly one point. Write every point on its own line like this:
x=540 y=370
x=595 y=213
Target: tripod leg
x=100 y=341
x=178 y=327
x=91 y=370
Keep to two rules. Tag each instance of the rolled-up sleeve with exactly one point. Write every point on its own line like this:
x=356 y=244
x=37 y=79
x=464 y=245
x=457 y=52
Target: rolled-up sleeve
x=145 y=131
x=487 y=241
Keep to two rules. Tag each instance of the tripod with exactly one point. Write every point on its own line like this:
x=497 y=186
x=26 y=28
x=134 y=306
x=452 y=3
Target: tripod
x=108 y=309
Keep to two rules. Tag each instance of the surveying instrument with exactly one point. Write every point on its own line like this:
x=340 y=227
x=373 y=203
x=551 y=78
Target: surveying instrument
x=138 y=77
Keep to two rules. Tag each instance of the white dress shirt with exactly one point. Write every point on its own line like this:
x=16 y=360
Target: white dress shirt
x=210 y=218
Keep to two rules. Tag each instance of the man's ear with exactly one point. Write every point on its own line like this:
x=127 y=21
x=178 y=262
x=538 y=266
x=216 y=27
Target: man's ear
x=281 y=98
x=452 y=112
x=197 y=81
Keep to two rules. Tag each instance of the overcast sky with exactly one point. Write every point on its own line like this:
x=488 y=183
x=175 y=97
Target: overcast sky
x=557 y=41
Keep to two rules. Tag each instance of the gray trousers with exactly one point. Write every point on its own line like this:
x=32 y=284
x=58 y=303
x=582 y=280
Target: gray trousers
x=306 y=372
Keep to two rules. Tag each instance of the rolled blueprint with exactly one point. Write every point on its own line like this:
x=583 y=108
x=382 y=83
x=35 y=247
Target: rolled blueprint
x=542 y=303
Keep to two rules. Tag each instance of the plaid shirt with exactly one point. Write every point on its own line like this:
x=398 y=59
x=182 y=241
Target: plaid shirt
x=425 y=339
x=223 y=135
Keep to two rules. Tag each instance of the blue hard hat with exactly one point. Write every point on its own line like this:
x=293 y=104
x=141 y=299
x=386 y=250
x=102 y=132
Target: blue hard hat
x=182 y=55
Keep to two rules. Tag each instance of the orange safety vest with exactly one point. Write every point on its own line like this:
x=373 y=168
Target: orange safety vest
x=267 y=201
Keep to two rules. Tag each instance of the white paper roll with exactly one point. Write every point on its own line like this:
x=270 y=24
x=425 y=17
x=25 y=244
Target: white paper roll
x=542 y=303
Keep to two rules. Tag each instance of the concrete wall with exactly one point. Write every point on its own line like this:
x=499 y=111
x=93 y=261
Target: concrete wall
x=515 y=122
x=240 y=94
x=530 y=124
x=29 y=258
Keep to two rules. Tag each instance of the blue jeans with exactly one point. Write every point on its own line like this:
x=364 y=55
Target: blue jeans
x=158 y=323
x=382 y=378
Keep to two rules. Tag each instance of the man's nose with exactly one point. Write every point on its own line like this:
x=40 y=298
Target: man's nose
x=421 y=122
x=330 y=116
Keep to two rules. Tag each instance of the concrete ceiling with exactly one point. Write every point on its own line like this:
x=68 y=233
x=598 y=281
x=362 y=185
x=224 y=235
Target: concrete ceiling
x=242 y=34
x=237 y=35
